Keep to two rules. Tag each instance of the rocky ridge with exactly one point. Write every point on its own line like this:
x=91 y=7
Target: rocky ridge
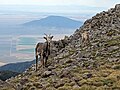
x=76 y=67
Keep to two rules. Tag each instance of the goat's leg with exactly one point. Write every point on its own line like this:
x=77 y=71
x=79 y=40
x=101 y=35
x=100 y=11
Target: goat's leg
x=83 y=42
x=42 y=60
x=87 y=41
x=36 y=62
x=82 y=39
x=46 y=61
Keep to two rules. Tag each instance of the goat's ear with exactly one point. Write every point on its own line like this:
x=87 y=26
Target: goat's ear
x=51 y=37
x=45 y=38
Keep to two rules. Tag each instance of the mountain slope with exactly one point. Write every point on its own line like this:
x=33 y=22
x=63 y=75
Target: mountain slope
x=54 y=21
x=6 y=86
x=95 y=66
x=4 y=75
x=17 y=67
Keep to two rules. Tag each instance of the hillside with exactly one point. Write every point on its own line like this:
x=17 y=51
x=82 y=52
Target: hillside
x=77 y=67
x=17 y=67
x=4 y=75
x=4 y=85
x=54 y=21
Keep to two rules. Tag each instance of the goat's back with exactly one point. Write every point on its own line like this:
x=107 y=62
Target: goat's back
x=41 y=47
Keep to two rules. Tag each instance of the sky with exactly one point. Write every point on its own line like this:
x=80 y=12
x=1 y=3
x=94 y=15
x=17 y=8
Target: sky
x=98 y=3
x=20 y=11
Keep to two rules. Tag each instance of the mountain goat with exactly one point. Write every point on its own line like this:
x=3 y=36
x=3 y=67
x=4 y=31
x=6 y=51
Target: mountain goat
x=85 y=37
x=43 y=50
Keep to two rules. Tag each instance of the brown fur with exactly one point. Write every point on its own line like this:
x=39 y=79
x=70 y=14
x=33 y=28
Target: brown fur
x=85 y=37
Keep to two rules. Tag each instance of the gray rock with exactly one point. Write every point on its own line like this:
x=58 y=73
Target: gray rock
x=47 y=74
x=76 y=87
x=59 y=84
x=113 y=59
x=117 y=7
x=87 y=75
x=113 y=48
x=50 y=68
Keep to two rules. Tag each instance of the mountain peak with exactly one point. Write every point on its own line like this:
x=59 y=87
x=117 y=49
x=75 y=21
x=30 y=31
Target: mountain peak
x=53 y=16
x=54 y=21
x=56 y=17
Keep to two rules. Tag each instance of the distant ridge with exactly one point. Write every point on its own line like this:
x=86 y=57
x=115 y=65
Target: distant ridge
x=7 y=74
x=17 y=67
x=54 y=21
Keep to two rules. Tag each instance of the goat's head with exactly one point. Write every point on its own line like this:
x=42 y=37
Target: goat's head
x=48 y=38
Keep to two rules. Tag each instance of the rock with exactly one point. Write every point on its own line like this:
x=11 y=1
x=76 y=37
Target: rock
x=117 y=7
x=116 y=67
x=38 y=85
x=64 y=73
x=50 y=68
x=58 y=84
x=46 y=74
x=87 y=75
x=23 y=81
x=113 y=48
x=19 y=86
x=69 y=61
x=76 y=79
x=76 y=87
x=113 y=59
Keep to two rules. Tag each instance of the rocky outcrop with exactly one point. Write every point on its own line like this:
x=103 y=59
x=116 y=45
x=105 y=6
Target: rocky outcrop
x=74 y=66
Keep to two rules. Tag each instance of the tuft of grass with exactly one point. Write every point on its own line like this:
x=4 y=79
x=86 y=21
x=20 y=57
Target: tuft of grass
x=108 y=82
x=116 y=67
x=112 y=42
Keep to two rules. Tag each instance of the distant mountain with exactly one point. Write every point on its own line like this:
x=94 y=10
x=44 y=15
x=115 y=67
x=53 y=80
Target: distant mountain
x=17 y=67
x=7 y=74
x=54 y=21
